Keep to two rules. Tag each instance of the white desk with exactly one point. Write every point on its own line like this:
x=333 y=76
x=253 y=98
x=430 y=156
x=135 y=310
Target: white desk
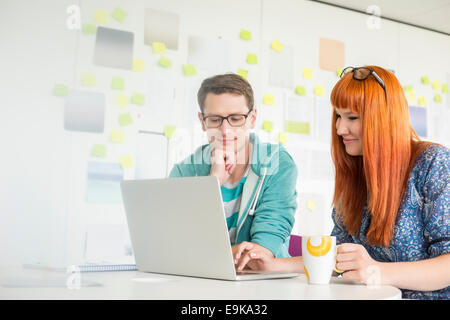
x=19 y=283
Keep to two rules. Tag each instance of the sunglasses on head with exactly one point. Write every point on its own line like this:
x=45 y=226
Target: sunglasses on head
x=363 y=73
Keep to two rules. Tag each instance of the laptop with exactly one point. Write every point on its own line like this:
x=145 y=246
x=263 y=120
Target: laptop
x=177 y=226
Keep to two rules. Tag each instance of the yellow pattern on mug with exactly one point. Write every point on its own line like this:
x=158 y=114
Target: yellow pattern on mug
x=321 y=249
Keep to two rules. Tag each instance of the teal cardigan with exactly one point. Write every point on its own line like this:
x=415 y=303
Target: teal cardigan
x=269 y=196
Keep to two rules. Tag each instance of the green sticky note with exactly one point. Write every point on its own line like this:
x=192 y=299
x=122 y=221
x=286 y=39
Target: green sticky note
x=252 y=58
x=119 y=14
x=138 y=98
x=169 y=131
x=121 y=100
x=268 y=99
x=126 y=162
x=138 y=65
x=318 y=90
x=282 y=138
x=99 y=150
x=101 y=16
x=297 y=127
x=307 y=73
x=425 y=80
x=117 y=136
x=117 y=83
x=164 y=62
x=276 y=45
x=89 y=28
x=189 y=70
x=437 y=97
x=60 y=90
x=300 y=90
x=243 y=73
x=444 y=88
x=88 y=79
x=125 y=119
x=409 y=88
x=246 y=35
x=268 y=126
x=159 y=47
x=339 y=72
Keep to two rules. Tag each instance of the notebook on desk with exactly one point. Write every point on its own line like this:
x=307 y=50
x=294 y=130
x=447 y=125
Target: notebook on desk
x=178 y=226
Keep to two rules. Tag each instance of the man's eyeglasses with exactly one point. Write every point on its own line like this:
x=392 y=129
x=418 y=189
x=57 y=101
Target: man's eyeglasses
x=235 y=120
x=363 y=73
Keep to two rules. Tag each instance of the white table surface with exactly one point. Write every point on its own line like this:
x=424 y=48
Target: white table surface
x=20 y=283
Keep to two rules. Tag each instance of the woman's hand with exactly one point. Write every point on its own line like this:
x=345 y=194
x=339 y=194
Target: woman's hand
x=252 y=256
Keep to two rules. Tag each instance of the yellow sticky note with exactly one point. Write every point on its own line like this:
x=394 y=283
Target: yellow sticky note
x=159 y=47
x=282 y=138
x=436 y=85
x=101 y=16
x=125 y=119
x=126 y=162
x=121 y=100
x=117 y=83
x=88 y=79
x=409 y=88
x=445 y=88
x=276 y=45
x=252 y=58
x=119 y=14
x=89 y=28
x=268 y=126
x=246 y=35
x=117 y=136
x=164 y=62
x=138 y=98
x=300 y=90
x=297 y=127
x=318 y=90
x=307 y=73
x=437 y=97
x=411 y=95
x=311 y=205
x=422 y=102
x=425 y=80
x=60 y=90
x=189 y=70
x=339 y=72
x=169 y=131
x=138 y=65
x=99 y=150
x=268 y=99
x=243 y=73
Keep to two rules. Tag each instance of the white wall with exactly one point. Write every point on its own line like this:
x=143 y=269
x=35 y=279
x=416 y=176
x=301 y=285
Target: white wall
x=43 y=209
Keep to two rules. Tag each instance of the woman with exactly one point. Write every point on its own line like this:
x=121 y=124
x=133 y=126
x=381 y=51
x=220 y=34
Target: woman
x=392 y=192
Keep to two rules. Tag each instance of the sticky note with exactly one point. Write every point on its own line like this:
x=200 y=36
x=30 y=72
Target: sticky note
x=169 y=131
x=246 y=35
x=159 y=47
x=282 y=138
x=297 y=127
x=99 y=150
x=425 y=80
x=311 y=205
x=121 y=100
x=101 y=16
x=318 y=90
x=138 y=65
x=126 y=162
x=243 y=73
x=444 y=88
x=88 y=79
x=164 y=62
x=60 y=90
x=117 y=83
x=252 y=58
x=88 y=28
x=436 y=85
x=339 y=72
x=307 y=73
x=119 y=14
x=300 y=90
x=117 y=136
x=189 y=70
x=422 y=102
x=268 y=126
x=125 y=119
x=437 y=97
x=138 y=98
x=268 y=99
x=409 y=88
x=276 y=45
x=411 y=95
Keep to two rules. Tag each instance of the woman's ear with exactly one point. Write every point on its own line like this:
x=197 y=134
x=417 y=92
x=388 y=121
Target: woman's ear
x=200 y=117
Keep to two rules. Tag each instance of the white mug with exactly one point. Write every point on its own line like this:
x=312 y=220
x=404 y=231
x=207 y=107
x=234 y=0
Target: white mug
x=319 y=258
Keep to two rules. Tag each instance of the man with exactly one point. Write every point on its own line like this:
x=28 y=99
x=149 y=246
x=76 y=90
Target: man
x=257 y=179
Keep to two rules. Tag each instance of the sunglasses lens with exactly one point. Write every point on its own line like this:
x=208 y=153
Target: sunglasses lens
x=361 y=73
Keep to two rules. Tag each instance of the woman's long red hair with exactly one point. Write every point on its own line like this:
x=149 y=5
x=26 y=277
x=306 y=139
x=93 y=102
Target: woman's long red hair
x=390 y=146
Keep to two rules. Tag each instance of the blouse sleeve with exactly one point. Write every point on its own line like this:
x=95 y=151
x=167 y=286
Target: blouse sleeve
x=339 y=230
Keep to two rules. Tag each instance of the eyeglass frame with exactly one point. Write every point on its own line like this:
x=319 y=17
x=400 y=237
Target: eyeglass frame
x=372 y=72
x=223 y=118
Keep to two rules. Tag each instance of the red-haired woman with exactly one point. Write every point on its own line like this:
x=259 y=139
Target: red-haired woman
x=392 y=192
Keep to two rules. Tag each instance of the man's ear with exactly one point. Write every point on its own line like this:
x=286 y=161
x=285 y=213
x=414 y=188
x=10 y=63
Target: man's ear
x=253 y=118
x=200 y=117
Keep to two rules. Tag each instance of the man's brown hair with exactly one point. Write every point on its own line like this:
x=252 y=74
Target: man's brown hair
x=225 y=83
